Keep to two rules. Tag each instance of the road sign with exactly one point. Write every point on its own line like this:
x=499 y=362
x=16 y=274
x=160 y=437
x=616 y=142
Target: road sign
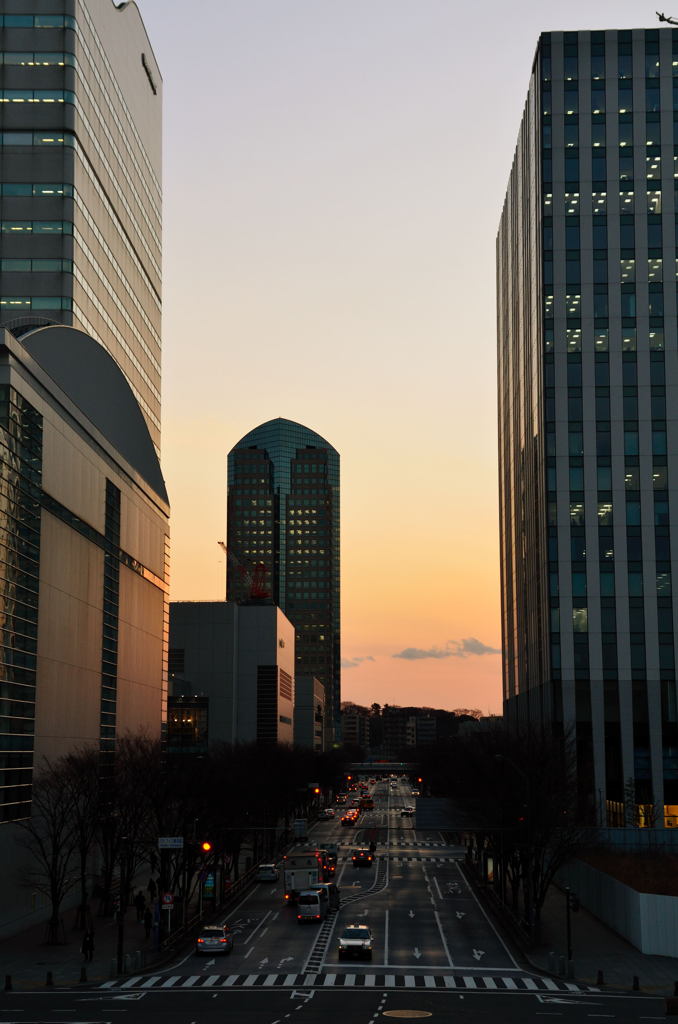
x=170 y=842
x=168 y=900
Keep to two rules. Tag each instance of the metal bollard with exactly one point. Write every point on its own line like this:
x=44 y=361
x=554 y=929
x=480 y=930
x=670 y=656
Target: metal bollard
x=561 y=966
x=113 y=970
x=137 y=960
x=636 y=983
x=49 y=980
x=570 y=969
x=127 y=964
x=83 y=974
x=552 y=962
x=8 y=983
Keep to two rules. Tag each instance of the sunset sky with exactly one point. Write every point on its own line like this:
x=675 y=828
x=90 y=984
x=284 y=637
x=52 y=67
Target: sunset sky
x=334 y=176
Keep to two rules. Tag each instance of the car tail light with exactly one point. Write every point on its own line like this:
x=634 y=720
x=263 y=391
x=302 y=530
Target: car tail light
x=223 y=940
x=201 y=940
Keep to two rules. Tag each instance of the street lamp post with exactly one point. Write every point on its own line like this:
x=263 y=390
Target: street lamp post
x=122 y=900
x=571 y=906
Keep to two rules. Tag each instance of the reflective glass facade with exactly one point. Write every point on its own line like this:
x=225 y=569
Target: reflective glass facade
x=84 y=582
x=588 y=381
x=283 y=540
x=80 y=168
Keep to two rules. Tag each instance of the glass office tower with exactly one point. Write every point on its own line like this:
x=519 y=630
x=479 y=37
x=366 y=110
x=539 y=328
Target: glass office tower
x=80 y=167
x=283 y=541
x=588 y=392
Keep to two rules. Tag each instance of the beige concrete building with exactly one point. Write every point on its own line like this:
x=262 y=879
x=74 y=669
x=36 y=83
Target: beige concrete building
x=84 y=570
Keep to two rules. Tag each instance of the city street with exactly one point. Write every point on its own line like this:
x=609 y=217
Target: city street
x=436 y=955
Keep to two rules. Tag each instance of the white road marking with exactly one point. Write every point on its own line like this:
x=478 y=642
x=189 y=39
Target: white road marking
x=443 y=939
x=386 y=913
x=249 y=937
x=508 y=952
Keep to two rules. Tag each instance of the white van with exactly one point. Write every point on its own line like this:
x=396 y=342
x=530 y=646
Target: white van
x=312 y=905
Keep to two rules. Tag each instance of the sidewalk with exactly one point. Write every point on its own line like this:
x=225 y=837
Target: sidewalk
x=595 y=947
x=27 y=959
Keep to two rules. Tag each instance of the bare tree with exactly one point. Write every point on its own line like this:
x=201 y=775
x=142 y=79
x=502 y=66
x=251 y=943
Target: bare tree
x=51 y=841
x=80 y=771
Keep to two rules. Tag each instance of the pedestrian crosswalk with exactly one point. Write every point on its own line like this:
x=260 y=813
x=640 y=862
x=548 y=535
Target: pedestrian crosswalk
x=475 y=982
x=396 y=860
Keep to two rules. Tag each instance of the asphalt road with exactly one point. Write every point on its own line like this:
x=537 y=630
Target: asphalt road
x=436 y=955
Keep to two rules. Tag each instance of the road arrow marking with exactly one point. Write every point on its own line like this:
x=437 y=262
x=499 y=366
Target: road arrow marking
x=262 y=963
x=411 y=913
x=417 y=952
x=478 y=953
x=461 y=913
x=285 y=960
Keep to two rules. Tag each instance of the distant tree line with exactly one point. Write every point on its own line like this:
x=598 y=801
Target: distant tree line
x=95 y=823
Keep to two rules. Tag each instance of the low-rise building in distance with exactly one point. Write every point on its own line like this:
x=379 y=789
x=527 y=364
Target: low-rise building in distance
x=239 y=657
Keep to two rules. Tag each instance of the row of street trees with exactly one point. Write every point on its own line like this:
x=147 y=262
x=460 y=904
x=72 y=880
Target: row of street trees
x=95 y=823
x=515 y=797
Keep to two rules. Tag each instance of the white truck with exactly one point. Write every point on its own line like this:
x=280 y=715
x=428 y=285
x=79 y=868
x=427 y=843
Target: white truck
x=301 y=870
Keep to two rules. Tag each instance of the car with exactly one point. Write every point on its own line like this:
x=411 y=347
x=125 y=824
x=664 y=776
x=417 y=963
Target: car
x=362 y=857
x=341 y=798
x=394 y=785
x=214 y=938
x=326 y=813
x=415 y=792
x=407 y=812
x=348 y=819
x=313 y=904
x=267 y=873
x=355 y=941
x=332 y=891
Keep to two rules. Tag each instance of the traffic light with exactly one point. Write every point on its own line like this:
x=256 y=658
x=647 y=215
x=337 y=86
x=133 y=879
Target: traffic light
x=316 y=790
x=206 y=846
x=419 y=778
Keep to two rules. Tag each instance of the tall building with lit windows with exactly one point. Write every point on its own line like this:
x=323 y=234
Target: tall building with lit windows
x=283 y=543
x=588 y=422
x=80 y=168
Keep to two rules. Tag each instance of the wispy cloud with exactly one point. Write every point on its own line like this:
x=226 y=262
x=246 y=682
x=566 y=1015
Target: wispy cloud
x=355 y=662
x=452 y=649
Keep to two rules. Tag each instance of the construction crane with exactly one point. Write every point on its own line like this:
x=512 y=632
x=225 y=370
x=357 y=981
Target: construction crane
x=252 y=575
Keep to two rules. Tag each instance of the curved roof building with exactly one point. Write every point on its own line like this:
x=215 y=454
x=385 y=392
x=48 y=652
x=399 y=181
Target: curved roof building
x=283 y=541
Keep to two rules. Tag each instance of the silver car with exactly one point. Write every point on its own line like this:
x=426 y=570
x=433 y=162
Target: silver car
x=267 y=873
x=355 y=941
x=214 y=938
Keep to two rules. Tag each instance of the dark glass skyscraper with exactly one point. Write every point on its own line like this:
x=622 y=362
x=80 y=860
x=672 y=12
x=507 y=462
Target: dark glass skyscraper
x=588 y=388
x=283 y=541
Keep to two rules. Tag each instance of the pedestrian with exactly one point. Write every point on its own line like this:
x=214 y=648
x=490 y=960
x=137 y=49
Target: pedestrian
x=151 y=888
x=373 y=846
x=87 y=947
x=140 y=904
x=148 y=921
